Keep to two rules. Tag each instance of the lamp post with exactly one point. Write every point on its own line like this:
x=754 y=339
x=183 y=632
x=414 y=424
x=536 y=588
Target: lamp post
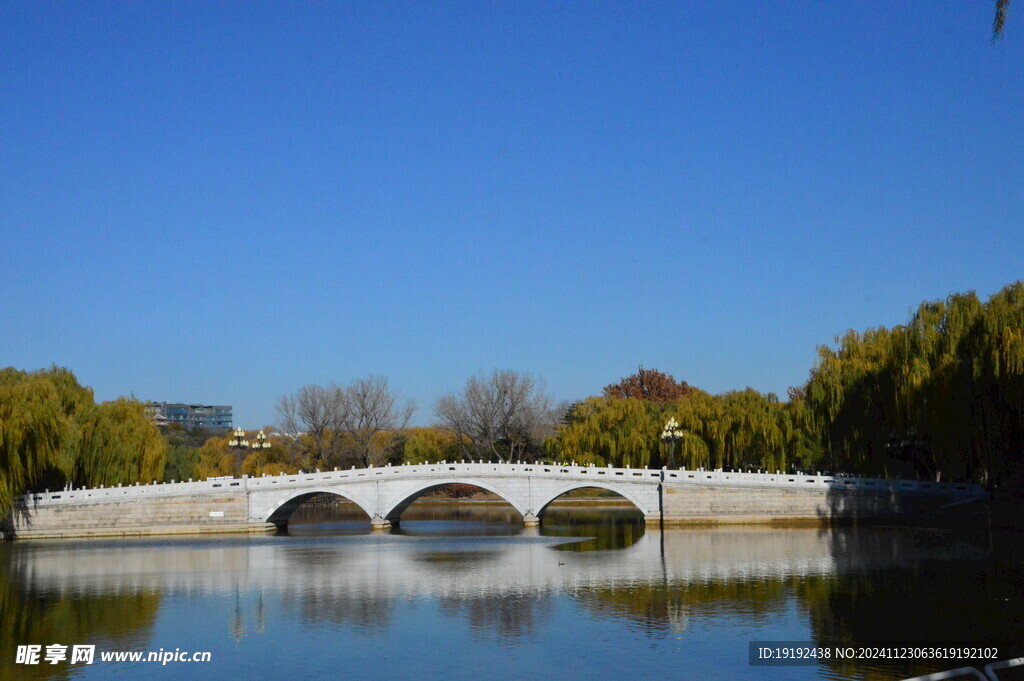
x=238 y=445
x=670 y=434
x=260 y=444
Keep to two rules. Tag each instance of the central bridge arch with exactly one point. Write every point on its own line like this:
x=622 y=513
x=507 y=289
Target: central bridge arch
x=541 y=507
x=394 y=511
x=280 y=514
x=384 y=494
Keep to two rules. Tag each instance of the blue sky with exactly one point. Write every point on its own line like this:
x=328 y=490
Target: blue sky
x=222 y=202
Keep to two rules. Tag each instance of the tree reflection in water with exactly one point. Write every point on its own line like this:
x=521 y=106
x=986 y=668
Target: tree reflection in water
x=508 y=617
x=38 y=614
x=603 y=529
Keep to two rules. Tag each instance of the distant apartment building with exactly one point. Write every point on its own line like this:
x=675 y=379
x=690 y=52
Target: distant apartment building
x=190 y=416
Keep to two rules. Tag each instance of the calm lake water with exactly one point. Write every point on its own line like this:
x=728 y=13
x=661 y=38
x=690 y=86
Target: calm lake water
x=464 y=591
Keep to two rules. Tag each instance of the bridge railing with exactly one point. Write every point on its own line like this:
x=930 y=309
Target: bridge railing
x=841 y=482
x=468 y=470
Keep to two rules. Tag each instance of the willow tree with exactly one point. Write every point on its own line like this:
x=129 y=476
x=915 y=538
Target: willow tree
x=800 y=434
x=936 y=388
x=998 y=368
x=32 y=431
x=609 y=430
x=275 y=460
x=736 y=430
x=942 y=396
x=216 y=458
x=424 y=445
x=701 y=418
x=742 y=429
x=53 y=433
x=119 y=446
x=754 y=438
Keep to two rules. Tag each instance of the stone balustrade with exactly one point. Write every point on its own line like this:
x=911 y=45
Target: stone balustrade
x=444 y=469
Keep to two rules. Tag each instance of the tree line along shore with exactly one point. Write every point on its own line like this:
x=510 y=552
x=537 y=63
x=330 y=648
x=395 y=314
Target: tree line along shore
x=940 y=397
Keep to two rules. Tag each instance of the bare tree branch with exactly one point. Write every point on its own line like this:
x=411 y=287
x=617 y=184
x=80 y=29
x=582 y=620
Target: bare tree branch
x=318 y=413
x=504 y=416
x=373 y=419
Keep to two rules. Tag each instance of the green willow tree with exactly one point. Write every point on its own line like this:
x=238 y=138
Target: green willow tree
x=610 y=430
x=745 y=430
x=737 y=430
x=119 y=446
x=33 y=429
x=941 y=397
x=52 y=433
x=424 y=445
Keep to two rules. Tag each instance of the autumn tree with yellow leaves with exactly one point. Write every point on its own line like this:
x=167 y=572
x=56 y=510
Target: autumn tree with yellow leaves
x=53 y=434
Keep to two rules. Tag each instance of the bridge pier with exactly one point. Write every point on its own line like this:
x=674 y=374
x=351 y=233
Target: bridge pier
x=378 y=523
x=530 y=520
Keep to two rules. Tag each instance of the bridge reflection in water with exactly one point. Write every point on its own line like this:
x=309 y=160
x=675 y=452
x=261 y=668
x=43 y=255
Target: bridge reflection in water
x=841 y=585
x=393 y=566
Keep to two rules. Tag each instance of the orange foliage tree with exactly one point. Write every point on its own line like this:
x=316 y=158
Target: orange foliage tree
x=649 y=384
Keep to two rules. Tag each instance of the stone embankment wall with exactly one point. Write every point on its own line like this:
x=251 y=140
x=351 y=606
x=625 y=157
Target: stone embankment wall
x=707 y=505
x=161 y=515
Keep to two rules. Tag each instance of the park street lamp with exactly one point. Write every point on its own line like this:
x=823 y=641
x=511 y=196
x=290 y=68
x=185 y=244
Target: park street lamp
x=259 y=445
x=239 y=444
x=671 y=433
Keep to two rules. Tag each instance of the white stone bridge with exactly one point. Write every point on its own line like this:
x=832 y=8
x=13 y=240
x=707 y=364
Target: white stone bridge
x=672 y=496
x=384 y=493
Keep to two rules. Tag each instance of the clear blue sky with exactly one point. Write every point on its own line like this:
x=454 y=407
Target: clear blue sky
x=222 y=202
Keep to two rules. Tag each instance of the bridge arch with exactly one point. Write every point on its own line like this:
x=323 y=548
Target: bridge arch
x=279 y=514
x=408 y=496
x=583 y=484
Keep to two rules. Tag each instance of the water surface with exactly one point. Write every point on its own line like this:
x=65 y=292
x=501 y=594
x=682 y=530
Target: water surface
x=466 y=591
